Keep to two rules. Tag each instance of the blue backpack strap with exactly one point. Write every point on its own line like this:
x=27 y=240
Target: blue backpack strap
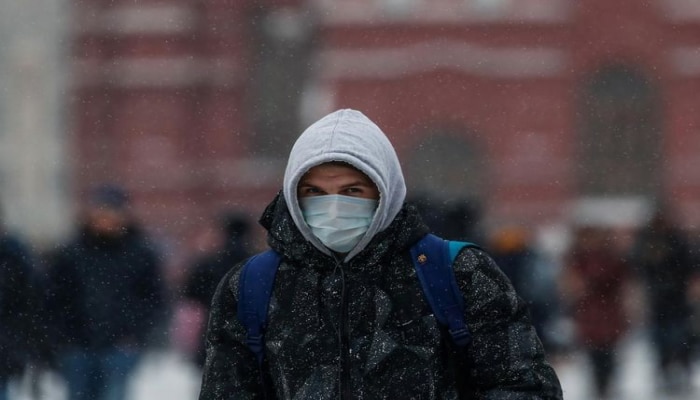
x=433 y=257
x=255 y=289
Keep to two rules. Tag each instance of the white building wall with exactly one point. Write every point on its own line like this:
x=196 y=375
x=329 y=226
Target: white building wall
x=34 y=169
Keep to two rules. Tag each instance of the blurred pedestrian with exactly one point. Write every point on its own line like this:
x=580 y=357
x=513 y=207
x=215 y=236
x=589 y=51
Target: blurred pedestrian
x=105 y=296
x=663 y=258
x=19 y=304
x=207 y=272
x=533 y=278
x=456 y=218
x=594 y=282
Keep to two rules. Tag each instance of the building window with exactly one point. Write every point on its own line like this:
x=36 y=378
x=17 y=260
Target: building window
x=282 y=42
x=619 y=135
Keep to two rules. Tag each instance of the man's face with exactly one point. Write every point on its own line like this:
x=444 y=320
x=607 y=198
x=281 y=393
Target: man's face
x=336 y=178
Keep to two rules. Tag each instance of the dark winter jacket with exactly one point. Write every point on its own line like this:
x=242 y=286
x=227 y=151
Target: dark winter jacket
x=663 y=259
x=18 y=306
x=363 y=330
x=357 y=325
x=104 y=292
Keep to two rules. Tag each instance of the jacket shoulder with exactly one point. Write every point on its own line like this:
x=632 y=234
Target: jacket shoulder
x=474 y=267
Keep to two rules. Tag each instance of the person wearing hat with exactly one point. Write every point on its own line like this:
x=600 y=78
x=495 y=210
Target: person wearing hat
x=347 y=317
x=104 y=295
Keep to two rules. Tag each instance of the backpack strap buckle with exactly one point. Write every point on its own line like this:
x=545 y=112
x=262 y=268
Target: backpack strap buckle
x=255 y=342
x=456 y=326
x=461 y=336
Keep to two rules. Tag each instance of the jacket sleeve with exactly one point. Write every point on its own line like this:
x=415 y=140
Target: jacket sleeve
x=231 y=369
x=506 y=356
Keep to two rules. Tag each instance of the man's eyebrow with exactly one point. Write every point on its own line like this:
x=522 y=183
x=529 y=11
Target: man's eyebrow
x=359 y=182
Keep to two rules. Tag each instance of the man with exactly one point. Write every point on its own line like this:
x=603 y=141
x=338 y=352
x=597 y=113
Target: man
x=667 y=270
x=347 y=318
x=104 y=295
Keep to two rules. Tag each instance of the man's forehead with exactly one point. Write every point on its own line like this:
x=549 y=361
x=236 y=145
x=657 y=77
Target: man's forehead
x=334 y=169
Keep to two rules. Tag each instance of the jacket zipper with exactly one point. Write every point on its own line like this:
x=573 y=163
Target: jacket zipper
x=344 y=384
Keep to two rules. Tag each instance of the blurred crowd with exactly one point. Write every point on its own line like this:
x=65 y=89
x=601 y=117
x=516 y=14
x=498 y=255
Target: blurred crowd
x=90 y=308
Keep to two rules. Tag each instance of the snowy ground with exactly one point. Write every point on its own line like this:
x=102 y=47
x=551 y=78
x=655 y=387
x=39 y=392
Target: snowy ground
x=166 y=375
x=635 y=379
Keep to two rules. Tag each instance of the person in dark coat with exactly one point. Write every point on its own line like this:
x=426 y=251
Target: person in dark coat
x=348 y=318
x=208 y=271
x=19 y=303
x=105 y=295
x=532 y=277
x=664 y=261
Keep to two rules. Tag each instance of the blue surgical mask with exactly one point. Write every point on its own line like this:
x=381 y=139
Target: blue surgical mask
x=338 y=221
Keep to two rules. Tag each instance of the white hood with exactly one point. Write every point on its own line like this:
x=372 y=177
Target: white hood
x=348 y=136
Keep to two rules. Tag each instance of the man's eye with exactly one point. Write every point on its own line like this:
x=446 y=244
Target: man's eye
x=311 y=190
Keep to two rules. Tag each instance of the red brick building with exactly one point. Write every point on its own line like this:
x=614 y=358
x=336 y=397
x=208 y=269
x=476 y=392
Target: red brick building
x=525 y=106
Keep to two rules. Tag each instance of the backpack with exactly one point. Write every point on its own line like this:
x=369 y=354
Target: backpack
x=432 y=258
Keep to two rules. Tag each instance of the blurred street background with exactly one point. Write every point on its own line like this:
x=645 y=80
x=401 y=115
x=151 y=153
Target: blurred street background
x=561 y=135
x=166 y=375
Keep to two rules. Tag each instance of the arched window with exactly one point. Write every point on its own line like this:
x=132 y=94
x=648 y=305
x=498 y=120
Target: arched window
x=619 y=134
